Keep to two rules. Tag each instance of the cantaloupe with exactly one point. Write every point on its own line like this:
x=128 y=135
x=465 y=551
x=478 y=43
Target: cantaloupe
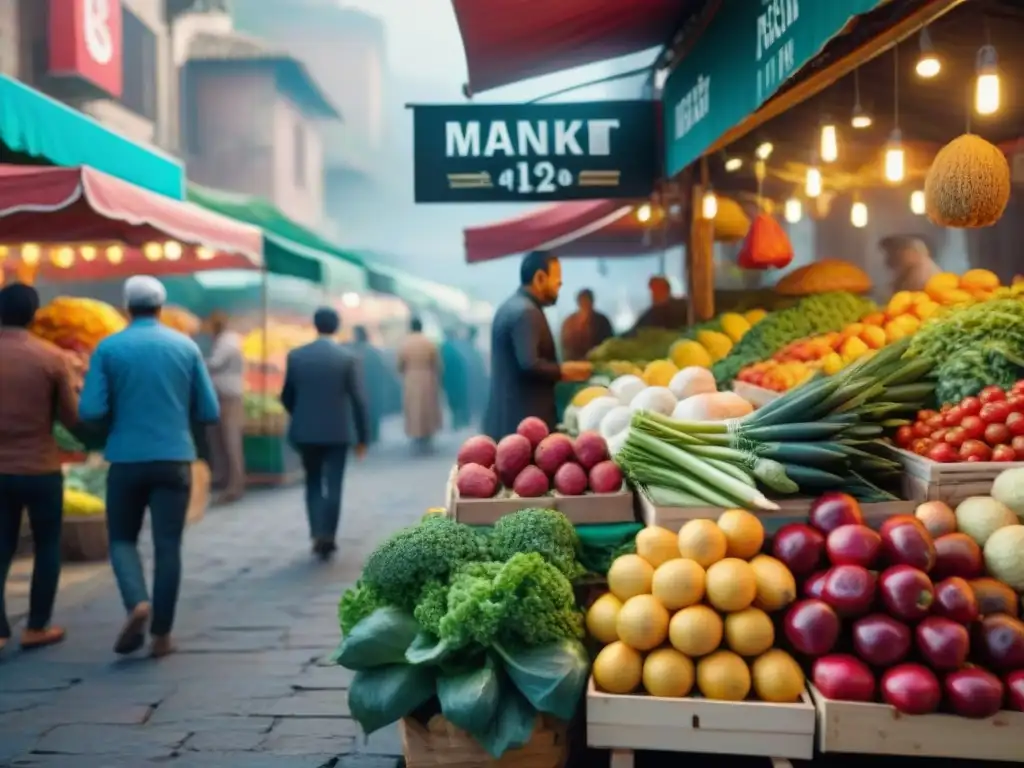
x=723 y=676
x=702 y=541
x=749 y=632
x=678 y=583
x=731 y=585
x=777 y=677
x=630 y=575
x=667 y=672
x=968 y=184
x=656 y=545
x=618 y=669
x=744 y=533
x=602 y=616
x=695 y=631
x=776 y=587
x=642 y=623
x=1004 y=556
x=981 y=516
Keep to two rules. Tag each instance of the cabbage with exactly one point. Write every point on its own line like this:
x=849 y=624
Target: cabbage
x=615 y=421
x=625 y=388
x=591 y=414
x=656 y=399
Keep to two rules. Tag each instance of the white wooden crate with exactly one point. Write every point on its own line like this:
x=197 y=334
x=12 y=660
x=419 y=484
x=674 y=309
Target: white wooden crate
x=927 y=480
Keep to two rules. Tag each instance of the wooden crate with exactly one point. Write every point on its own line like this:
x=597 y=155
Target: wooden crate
x=927 y=480
x=756 y=396
x=625 y=724
x=581 y=510
x=878 y=729
x=440 y=744
x=793 y=511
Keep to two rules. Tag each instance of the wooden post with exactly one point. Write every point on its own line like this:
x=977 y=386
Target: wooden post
x=700 y=254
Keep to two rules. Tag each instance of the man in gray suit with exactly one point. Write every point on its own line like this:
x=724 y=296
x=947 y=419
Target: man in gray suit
x=323 y=394
x=524 y=364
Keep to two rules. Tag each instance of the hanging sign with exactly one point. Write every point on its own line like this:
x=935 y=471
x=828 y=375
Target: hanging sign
x=500 y=153
x=85 y=41
x=749 y=49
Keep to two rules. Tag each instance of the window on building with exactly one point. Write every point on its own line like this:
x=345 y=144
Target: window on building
x=299 y=158
x=139 y=62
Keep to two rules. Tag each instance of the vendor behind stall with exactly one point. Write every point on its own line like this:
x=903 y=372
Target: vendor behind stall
x=666 y=311
x=909 y=261
x=584 y=329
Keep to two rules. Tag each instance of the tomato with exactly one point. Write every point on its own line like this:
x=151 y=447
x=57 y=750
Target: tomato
x=991 y=394
x=1016 y=402
x=926 y=414
x=975 y=448
x=972 y=459
x=995 y=413
x=921 y=429
x=970 y=406
x=921 y=446
x=1018 y=388
x=905 y=436
x=956 y=437
x=1015 y=422
x=997 y=434
x=953 y=416
x=945 y=407
x=1003 y=453
x=943 y=452
x=1018 y=447
x=973 y=426
x=939 y=435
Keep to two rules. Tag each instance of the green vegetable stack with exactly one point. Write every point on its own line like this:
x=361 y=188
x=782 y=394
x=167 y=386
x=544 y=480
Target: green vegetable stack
x=485 y=627
x=821 y=313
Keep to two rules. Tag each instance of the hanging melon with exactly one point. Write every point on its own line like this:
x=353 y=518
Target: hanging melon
x=731 y=223
x=968 y=185
x=823 y=276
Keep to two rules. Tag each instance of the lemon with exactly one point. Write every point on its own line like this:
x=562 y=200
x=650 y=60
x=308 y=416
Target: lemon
x=642 y=623
x=668 y=673
x=678 y=583
x=618 y=669
x=630 y=575
x=602 y=616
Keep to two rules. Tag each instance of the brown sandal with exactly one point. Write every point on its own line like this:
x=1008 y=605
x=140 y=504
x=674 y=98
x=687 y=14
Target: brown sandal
x=40 y=638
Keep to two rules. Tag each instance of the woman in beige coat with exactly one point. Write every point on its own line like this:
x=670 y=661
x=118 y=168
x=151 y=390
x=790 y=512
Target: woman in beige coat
x=420 y=367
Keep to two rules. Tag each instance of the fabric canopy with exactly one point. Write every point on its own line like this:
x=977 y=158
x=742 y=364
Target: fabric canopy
x=511 y=40
x=64 y=206
x=47 y=131
x=417 y=292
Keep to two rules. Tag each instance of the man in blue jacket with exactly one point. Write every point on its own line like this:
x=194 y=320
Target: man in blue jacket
x=149 y=384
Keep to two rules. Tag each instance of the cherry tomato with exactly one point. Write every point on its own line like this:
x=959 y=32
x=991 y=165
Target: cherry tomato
x=935 y=422
x=953 y=416
x=942 y=452
x=922 y=445
x=1015 y=422
x=1018 y=388
x=921 y=429
x=995 y=413
x=973 y=426
x=926 y=414
x=939 y=435
x=956 y=436
x=975 y=448
x=970 y=406
x=997 y=434
x=905 y=436
x=1003 y=453
x=972 y=459
x=1016 y=402
x=991 y=394
x=1018 y=447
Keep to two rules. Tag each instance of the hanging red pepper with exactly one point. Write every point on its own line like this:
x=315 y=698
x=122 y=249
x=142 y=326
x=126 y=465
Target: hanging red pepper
x=766 y=245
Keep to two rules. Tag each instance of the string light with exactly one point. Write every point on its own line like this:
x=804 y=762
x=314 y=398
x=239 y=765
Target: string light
x=87 y=252
x=987 y=86
x=152 y=251
x=812 y=183
x=172 y=250
x=30 y=254
x=3 y=253
x=917 y=202
x=764 y=150
x=643 y=213
x=115 y=254
x=793 y=210
x=861 y=119
x=709 y=205
x=733 y=164
x=205 y=254
x=859 y=214
x=829 y=149
x=63 y=258
x=928 y=64
x=895 y=159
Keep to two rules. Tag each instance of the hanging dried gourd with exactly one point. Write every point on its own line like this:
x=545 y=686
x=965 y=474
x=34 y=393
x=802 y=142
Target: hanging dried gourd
x=766 y=245
x=968 y=184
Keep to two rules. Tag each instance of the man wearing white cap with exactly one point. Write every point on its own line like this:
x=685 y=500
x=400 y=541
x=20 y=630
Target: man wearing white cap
x=148 y=384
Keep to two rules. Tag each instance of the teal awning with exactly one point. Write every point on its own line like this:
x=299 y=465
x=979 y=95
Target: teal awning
x=49 y=132
x=417 y=292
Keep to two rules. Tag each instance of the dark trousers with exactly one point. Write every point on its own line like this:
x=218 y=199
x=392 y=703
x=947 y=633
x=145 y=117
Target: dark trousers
x=43 y=497
x=164 y=487
x=325 y=474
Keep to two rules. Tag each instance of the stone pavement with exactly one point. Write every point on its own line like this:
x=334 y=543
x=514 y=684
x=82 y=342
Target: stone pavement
x=256 y=618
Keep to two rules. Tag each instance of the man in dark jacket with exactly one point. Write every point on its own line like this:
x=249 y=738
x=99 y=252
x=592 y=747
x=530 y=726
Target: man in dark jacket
x=666 y=311
x=375 y=375
x=524 y=365
x=584 y=329
x=323 y=394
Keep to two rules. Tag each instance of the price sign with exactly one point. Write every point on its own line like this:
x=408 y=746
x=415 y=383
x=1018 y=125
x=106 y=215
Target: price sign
x=522 y=152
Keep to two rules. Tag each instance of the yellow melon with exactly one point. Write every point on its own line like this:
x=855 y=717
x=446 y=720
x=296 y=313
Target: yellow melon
x=602 y=616
x=776 y=587
x=749 y=632
x=618 y=669
x=968 y=184
x=702 y=541
x=630 y=575
x=667 y=672
x=678 y=583
x=744 y=534
x=1004 y=556
x=723 y=676
x=642 y=623
x=731 y=585
x=777 y=677
x=695 y=631
x=656 y=545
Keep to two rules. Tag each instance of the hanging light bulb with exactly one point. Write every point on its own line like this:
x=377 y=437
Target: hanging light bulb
x=709 y=205
x=859 y=214
x=30 y=253
x=764 y=150
x=153 y=251
x=917 y=202
x=987 y=87
x=861 y=119
x=115 y=254
x=172 y=250
x=205 y=254
x=733 y=164
x=895 y=158
x=643 y=213
x=87 y=252
x=63 y=257
x=829 y=150
x=812 y=183
x=928 y=64
x=793 y=210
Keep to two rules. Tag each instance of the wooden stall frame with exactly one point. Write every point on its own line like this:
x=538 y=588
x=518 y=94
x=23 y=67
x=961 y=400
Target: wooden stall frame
x=927 y=480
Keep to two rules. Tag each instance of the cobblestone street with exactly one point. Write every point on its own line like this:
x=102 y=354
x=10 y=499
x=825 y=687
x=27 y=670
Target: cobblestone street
x=257 y=616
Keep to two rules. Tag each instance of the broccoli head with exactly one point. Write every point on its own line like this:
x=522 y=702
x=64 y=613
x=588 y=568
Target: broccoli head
x=545 y=531
x=356 y=604
x=399 y=568
x=432 y=606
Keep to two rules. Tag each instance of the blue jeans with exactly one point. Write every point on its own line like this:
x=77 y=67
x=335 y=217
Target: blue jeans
x=43 y=497
x=164 y=487
x=325 y=473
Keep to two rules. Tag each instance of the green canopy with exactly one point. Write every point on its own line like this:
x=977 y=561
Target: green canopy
x=417 y=292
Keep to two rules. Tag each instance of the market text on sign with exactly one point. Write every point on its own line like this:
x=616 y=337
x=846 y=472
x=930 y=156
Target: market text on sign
x=525 y=138
x=775 y=61
x=693 y=107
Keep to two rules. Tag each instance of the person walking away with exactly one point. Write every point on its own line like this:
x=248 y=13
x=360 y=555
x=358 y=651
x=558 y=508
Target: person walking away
x=584 y=329
x=477 y=374
x=35 y=385
x=323 y=394
x=148 y=383
x=419 y=366
x=909 y=262
x=226 y=365
x=666 y=311
x=374 y=380
x=455 y=379
x=524 y=365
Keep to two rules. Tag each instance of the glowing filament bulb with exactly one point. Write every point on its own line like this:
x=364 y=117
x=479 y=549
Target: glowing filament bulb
x=859 y=214
x=987 y=87
x=643 y=213
x=709 y=205
x=812 y=184
x=793 y=210
x=895 y=159
x=917 y=202
x=829 y=144
x=30 y=254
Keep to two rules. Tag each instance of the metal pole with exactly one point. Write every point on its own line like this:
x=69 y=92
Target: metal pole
x=264 y=351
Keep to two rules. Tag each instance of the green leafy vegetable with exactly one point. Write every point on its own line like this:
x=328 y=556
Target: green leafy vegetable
x=356 y=604
x=513 y=724
x=381 y=638
x=432 y=605
x=427 y=649
x=545 y=531
x=383 y=695
x=470 y=698
x=551 y=677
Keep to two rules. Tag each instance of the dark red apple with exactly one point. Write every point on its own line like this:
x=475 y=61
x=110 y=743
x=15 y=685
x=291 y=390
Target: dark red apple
x=800 y=547
x=907 y=592
x=999 y=640
x=943 y=643
x=812 y=627
x=1015 y=690
x=843 y=677
x=957 y=554
x=954 y=599
x=815 y=585
x=881 y=640
x=850 y=589
x=853 y=545
x=973 y=692
x=891 y=522
x=907 y=542
x=831 y=510
x=912 y=689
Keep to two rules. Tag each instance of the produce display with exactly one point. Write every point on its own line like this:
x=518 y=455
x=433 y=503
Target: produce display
x=281 y=338
x=76 y=324
x=85 y=490
x=692 y=613
x=533 y=463
x=258 y=405
x=824 y=276
x=921 y=614
x=480 y=627
x=181 y=320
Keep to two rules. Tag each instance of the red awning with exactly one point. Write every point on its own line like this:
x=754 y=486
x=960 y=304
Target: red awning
x=82 y=207
x=511 y=40
x=598 y=228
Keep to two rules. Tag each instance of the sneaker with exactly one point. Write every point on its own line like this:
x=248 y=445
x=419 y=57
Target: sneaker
x=40 y=638
x=133 y=633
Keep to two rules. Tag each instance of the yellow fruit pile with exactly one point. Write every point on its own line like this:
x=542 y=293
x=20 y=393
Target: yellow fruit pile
x=693 y=610
x=82 y=504
x=281 y=339
x=706 y=349
x=75 y=323
x=180 y=320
